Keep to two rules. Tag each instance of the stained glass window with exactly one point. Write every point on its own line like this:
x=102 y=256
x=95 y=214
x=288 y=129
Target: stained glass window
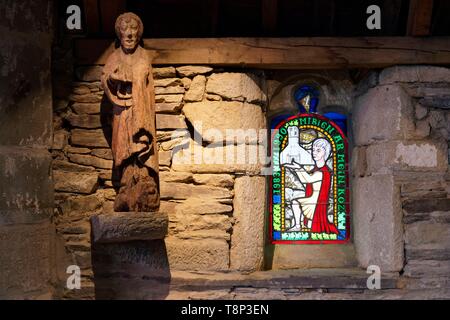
x=309 y=200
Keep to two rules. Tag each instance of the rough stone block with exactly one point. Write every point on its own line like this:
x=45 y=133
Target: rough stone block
x=236 y=86
x=186 y=82
x=213 y=97
x=60 y=139
x=165 y=121
x=169 y=82
x=247 y=240
x=242 y=158
x=89 y=138
x=190 y=71
x=383 y=113
x=201 y=255
x=85 y=121
x=86 y=108
x=416 y=188
x=184 y=177
x=427 y=205
x=359 y=162
x=69 y=166
x=176 y=142
x=415 y=74
x=174 y=190
x=86 y=98
x=89 y=160
x=71 y=149
x=219 y=120
x=171 y=135
x=197 y=226
x=82 y=182
x=169 y=98
x=103 y=153
x=197 y=206
x=377 y=220
x=328 y=256
x=164 y=72
x=436 y=102
x=196 y=89
x=168 y=107
x=214 y=180
x=77 y=207
x=169 y=90
x=420 y=111
x=81 y=89
x=165 y=158
x=427 y=268
x=423 y=129
x=387 y=156
x=129 y=226
x=427 y=232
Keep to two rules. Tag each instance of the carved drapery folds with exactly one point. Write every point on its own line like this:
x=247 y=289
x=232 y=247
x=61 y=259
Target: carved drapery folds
x=128 y=84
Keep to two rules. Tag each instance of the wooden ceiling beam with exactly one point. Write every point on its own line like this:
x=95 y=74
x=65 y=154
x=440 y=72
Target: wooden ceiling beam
x=282 y=53
x=419 y=18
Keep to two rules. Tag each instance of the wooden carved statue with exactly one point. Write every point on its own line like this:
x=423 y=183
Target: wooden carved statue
x=128 y=83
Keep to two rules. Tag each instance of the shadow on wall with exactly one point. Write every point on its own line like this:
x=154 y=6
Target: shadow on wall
x=131 y=270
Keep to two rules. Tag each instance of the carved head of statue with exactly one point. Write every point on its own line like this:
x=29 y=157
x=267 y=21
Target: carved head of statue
x=129 y=29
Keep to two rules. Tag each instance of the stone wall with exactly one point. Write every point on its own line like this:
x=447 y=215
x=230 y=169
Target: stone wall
x=215 y=204
x=401 y=177
x=27 y=238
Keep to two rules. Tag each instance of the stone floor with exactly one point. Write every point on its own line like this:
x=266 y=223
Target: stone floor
x=276 y=284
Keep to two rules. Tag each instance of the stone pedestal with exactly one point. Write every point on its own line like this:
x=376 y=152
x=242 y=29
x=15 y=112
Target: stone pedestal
x=113 y=227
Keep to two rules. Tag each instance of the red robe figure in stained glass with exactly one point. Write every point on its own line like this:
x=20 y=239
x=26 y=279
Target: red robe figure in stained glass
x=320 y=221
x=311 y=211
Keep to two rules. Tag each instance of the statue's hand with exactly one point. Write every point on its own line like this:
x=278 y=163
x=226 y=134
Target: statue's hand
x=121 y=74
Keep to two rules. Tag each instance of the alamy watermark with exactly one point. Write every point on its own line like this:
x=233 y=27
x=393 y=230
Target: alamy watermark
x=374 y=280
x=74 y=280
x=244 y=149
x=73 y=21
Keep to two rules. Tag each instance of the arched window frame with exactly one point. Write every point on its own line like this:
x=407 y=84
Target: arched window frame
x=279 y=120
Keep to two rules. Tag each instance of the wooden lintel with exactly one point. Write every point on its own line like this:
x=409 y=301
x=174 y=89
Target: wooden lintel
x=419 y=17
x=282 y=53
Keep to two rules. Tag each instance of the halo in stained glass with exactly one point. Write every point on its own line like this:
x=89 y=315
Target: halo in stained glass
x=307 y=98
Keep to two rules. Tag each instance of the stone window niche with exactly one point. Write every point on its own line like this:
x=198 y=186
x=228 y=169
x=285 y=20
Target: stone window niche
x=329 y=98
x=398 y=137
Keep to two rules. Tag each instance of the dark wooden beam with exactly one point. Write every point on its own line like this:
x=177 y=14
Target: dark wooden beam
x=391 y=9
x=282 y=53
x=109 y=11
x=419 y=18
x=214 y=12
x=323 y=11
x=269 y=16
x=91 y=14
